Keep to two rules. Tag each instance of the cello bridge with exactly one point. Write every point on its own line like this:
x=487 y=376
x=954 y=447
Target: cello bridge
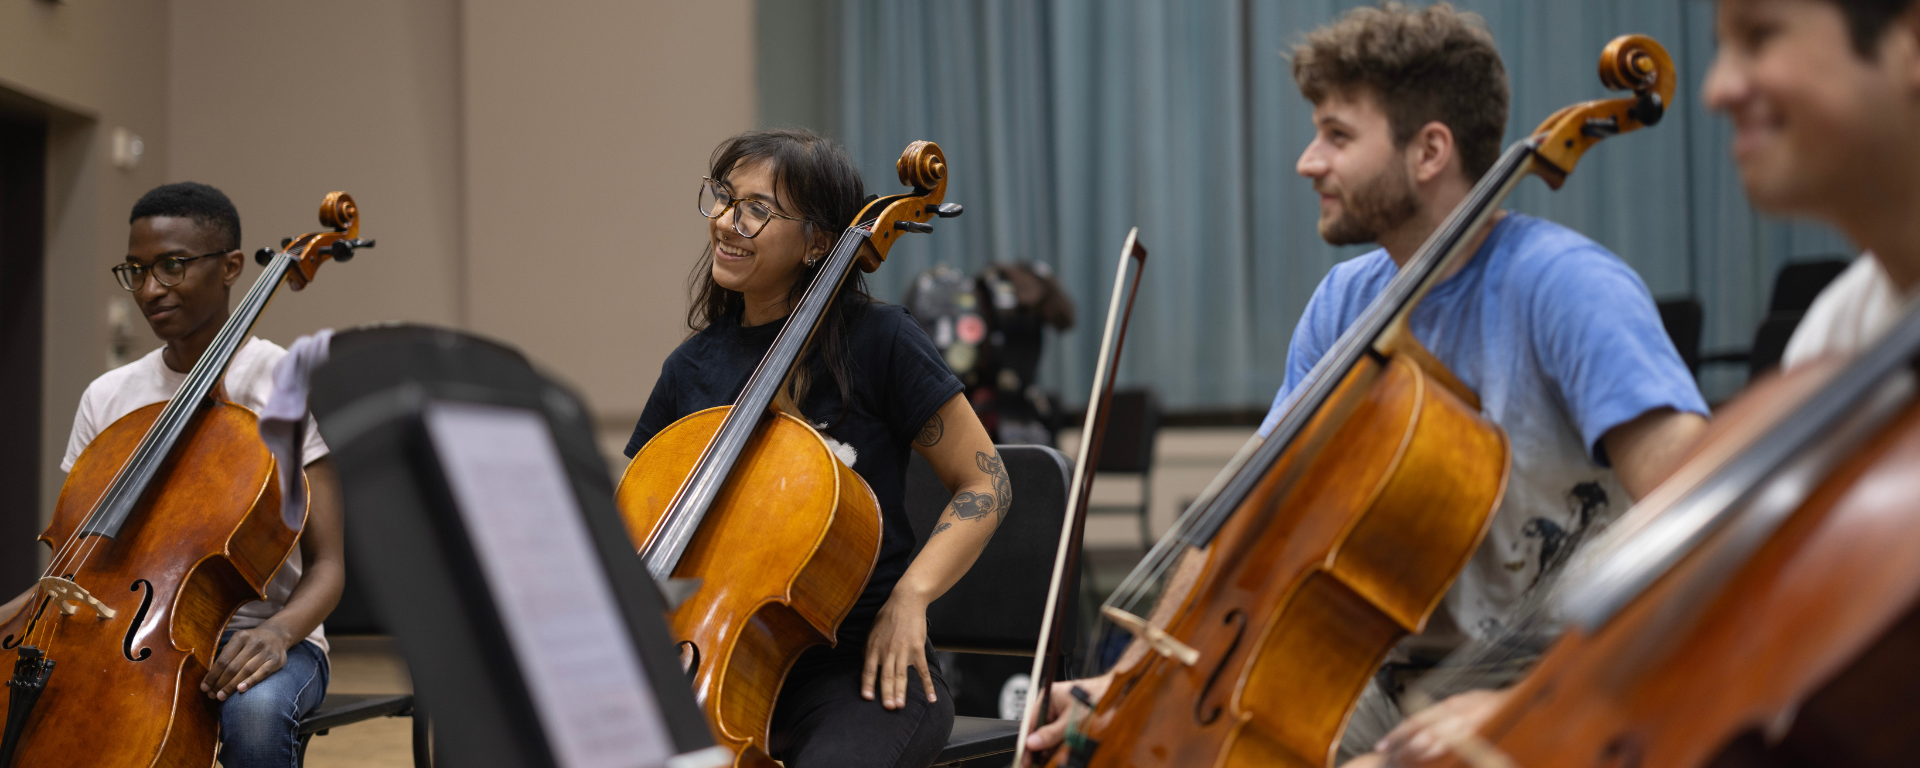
x=66 y=593
x=1155 y=637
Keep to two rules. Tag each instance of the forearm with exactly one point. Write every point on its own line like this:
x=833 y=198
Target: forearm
x=323 y=556
x=956 y=542
x=1649 y=448
x=313 y=599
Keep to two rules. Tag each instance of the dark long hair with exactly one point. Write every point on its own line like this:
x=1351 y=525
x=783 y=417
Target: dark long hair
x=815 y=180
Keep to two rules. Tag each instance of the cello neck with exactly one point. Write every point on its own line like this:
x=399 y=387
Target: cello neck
x=689 y=507
x=117 y=504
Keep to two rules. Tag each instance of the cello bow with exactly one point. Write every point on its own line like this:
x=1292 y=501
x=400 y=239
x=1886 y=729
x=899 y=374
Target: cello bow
x=1048 y=655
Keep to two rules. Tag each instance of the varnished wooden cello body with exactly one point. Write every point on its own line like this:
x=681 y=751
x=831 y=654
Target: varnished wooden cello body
x=1762 y=607
x=170 y=520
x=781 y=534
x=1326 y=543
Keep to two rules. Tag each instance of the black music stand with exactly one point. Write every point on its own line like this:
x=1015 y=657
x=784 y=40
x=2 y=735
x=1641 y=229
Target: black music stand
x=477 y=501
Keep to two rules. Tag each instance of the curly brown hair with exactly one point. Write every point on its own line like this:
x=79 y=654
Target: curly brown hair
x=1423 y=65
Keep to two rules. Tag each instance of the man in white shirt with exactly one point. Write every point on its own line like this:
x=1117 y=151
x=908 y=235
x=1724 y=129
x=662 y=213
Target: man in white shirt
x=183 y=258
x=1825 y=101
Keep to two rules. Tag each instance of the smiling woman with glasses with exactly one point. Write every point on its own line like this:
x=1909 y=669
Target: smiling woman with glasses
x=874 y=389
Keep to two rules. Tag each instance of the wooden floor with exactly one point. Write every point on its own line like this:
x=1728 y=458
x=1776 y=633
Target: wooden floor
x=366 y=665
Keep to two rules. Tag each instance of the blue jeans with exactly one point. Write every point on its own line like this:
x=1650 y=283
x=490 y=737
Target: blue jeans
x=260 y=728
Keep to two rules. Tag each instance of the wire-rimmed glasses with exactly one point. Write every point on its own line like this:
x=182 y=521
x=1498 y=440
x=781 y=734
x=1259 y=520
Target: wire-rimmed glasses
x=167 y=272
x=749 y=216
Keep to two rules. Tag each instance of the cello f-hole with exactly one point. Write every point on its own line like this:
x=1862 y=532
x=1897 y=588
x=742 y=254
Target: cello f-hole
x=139 y=618
x=690 y=657
x=1205 y=716
x=1624 y=751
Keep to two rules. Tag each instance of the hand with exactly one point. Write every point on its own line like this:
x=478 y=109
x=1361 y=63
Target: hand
x=1429 y=733
x=1060 y=701
x=898 y=641
x=250 y=655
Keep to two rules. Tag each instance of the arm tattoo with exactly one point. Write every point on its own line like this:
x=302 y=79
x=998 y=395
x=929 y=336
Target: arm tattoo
x=939 y=529
x=969 y=505
x=1002 y=486
x=931 y=432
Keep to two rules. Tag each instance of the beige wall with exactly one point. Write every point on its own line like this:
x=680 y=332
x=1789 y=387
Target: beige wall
x=588 y=127
x=372 y=108
x=527 y=168
x=90 y=67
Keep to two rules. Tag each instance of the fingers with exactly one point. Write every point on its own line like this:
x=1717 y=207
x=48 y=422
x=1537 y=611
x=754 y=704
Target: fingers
x=1050 y=735
x=926 y=678
x=242 y=664
x=218 y=669
x=235 y=670
x=894 y=683
x=867 y=670
x=1059 y=702
x=261 y=667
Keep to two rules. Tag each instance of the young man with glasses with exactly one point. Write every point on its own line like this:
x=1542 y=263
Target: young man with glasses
x=183 y=258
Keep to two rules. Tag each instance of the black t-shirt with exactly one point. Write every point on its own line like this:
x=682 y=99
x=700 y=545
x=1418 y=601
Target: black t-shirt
x=899 y=381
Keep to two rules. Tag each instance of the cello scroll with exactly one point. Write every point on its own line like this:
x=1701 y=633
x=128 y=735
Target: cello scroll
x=1631 y=62
x=309 y=251
x=924 y=167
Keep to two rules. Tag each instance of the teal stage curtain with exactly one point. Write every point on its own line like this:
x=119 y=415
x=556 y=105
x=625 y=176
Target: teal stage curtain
x=1069 y=121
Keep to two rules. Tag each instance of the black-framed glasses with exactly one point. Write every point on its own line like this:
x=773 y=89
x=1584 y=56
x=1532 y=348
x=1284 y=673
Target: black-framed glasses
x=749 y=216
x=167 y=272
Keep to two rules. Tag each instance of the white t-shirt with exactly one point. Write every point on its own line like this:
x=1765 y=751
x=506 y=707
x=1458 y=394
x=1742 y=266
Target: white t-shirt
x=1848 y=316
x=249 y=383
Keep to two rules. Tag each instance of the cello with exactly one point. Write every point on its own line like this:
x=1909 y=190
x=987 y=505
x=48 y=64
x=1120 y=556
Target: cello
x=170 y=520
x=781 y=534
x=1760 y=607
x=1321 y=546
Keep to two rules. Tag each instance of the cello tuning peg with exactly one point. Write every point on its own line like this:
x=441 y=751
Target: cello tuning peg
x=947 y=211
x=263 y=256
x=367 y=243
x=341 y=250
x=913 y=226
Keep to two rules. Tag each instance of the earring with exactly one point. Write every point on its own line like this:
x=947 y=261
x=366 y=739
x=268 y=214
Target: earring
x=809 y=262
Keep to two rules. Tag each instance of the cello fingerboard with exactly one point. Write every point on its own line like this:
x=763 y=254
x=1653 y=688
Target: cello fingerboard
x=117 y=504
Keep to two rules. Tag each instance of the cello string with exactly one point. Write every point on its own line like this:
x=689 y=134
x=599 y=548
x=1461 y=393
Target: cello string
x=1235 y=483
x=206 y=371
x=1320 y=380
x=171 y=416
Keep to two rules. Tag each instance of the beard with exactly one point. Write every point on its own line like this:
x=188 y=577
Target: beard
x=1383 y=204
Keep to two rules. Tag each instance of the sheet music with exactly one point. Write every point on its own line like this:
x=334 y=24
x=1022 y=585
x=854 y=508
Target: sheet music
x=581 y=668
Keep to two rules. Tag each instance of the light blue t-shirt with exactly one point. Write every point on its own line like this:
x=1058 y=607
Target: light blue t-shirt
x=1562 y=342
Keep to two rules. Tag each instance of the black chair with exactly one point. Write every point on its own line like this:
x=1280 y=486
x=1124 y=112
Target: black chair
x=1682 y=318
x=1133 y=424
x=996 y=608
x=339 y=709
x=1794 y=290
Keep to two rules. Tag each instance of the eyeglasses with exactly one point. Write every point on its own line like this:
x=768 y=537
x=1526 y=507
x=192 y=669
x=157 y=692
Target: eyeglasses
x=749 y=216
x=167 y=272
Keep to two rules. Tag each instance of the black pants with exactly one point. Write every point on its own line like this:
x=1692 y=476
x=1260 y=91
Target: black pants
x=821 y=721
